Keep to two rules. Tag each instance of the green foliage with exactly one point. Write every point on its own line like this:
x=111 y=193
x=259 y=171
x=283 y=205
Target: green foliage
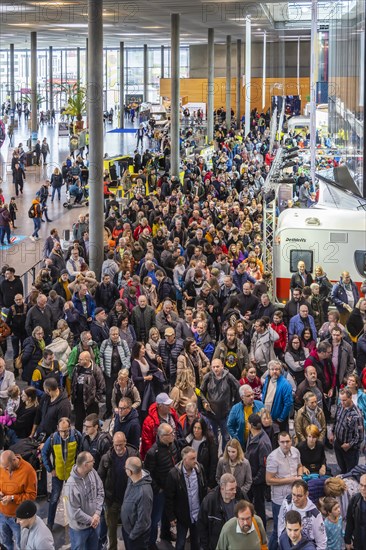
x=76 y=104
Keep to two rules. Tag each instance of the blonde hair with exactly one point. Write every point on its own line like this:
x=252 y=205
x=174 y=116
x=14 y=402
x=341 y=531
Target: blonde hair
x=234 y=443
x=334 y=487
x=264 y=413
x=312 y=430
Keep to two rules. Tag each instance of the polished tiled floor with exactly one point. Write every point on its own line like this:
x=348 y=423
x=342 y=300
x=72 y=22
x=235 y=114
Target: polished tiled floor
x=23 y=254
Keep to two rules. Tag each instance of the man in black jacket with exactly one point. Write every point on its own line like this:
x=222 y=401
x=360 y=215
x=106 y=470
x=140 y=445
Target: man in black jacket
x=113 y=475
x=16 y=321
x=9 y=287
x=292 y=307
x=40 y=315
x=106 y=294
x=99 y=328
x=182 y=508
x=54 y=404
x=258 y=448
x=356 y=518
x=216 y=509
x=159 y=460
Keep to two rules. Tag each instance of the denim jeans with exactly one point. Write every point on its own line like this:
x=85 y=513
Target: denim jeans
x=56 y=491
x=37 y=226
x=182 y=535
x=273 y=541
x=9 y=532
x=221 y=423
x=84 y=539
x=158 y=515
x=4 y=231
x=54 y=191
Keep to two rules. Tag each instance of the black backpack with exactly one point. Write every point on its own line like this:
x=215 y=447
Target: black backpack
x=32 y=212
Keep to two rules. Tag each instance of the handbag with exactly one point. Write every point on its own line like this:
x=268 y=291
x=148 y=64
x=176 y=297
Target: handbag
x=263 y=545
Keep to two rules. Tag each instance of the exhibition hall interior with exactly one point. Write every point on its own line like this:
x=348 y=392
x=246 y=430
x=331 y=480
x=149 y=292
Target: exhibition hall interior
x=182 y=275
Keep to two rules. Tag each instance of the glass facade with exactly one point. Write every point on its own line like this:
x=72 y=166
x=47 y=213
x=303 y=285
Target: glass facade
x=64 y=64
x=347 y=83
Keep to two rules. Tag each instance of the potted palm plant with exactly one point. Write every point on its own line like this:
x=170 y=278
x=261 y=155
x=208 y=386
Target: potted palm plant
x=76 y=106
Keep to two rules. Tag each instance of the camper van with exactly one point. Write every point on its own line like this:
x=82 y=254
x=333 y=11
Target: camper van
x=333 y=238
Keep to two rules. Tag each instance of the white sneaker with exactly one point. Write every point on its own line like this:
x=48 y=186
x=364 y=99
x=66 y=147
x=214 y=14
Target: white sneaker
x=32 y=238
x=37 y=238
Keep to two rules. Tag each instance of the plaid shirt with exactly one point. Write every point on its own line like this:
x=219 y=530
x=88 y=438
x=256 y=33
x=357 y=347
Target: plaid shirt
x=348 y=427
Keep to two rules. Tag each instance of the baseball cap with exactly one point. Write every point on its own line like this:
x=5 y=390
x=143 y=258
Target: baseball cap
x=98 y=310
x=163 y=399
x=169 y=331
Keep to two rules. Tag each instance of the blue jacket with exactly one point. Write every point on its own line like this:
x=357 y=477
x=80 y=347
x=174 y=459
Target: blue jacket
x=296 y=326
x=90 y=305
x=304 y=543
x=283 y=400
x=236 y=420
x=240 y=278
x=339 y=295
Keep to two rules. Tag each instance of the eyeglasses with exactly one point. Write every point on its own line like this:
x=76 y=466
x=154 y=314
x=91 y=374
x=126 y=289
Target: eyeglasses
x=123 y=408
x=170 y=433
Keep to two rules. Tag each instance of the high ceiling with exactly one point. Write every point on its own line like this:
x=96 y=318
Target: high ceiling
x=64 y=23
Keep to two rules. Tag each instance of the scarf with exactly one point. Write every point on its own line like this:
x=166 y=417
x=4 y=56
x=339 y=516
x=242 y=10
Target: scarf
x=313 y=418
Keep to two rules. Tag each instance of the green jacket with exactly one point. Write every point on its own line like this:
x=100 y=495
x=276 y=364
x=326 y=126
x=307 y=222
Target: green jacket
x=74 y=358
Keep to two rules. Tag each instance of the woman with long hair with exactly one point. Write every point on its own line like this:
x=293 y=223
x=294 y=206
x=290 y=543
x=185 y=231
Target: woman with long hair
x=234 y=462
x=295 y=357
x=146 y=376
x=183 y=391
x=194 y=360
x=203 y=442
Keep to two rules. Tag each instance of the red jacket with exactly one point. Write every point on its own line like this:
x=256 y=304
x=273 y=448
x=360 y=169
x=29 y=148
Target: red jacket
x=150 y=428
x=325 y=370
x=282 y=333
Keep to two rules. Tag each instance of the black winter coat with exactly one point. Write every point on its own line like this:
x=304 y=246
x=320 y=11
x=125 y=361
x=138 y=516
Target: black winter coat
x=106 y=295
x=35 y=317
x=49 y=413
x=212 y=517
x=207 y=456
x=130 y=426
x=159 y=460
x=176 y=496
x=32 y=353
x=106 y=472
x=257 y=451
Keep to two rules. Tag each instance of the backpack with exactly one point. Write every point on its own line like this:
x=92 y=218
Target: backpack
x=32 y=212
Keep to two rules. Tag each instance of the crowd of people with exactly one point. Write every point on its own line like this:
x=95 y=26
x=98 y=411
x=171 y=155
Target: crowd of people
x=171 y=395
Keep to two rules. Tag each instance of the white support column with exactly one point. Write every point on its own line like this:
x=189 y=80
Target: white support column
x=313 y=78
x=298 y=66
x=248 y=71
x=264 y=63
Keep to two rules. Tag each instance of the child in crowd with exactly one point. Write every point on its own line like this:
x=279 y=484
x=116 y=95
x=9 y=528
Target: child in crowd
x=333 y=523
x=2 y=198
x=10 y=416
x=249 y=376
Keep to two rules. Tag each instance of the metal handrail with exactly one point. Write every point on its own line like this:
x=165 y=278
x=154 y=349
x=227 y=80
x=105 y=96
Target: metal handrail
x=28 y=275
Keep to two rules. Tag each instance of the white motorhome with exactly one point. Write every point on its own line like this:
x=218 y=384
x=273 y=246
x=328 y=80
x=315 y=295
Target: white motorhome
x=333 y=238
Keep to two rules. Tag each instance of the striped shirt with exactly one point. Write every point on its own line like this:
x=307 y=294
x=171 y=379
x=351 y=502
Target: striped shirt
x=348 y=426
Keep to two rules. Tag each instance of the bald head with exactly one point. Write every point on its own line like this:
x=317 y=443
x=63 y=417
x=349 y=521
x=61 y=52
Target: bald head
x=134 y=464
x=9 y=461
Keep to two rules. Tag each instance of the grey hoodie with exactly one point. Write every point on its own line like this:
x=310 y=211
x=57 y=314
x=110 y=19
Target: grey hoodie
x=84 y=497
x=137 y=506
